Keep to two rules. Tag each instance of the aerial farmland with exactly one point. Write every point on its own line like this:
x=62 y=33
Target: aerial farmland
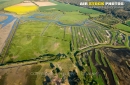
x=59 y=42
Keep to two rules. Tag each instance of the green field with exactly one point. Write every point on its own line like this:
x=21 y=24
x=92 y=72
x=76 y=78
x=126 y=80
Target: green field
x=73 y=18
x=66 y=7
x=123 y=27
x=6 y=3
x=1 y=2
x=30 y=41
x=34 y=38
x=58 y=40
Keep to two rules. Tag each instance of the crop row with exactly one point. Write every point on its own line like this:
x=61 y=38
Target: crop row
x=83 y=37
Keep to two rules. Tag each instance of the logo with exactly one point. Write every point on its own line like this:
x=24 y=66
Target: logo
x=102 y=4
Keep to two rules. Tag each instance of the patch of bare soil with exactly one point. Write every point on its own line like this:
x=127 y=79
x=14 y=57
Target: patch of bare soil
x=55 y=46
x=4 y=32
x=19 y=73
x=15 y=76
x=3 y=18
x=118 y=59
x=36 y=54
x=44 y=3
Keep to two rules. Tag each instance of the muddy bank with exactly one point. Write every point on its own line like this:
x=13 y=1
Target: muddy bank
x=108 y=78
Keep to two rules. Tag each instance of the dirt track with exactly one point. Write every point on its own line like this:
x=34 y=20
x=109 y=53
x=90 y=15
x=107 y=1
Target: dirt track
x=4 y=32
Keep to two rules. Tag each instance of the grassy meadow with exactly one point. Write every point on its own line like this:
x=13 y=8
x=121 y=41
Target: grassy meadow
x=31 y=41
x=73 y=18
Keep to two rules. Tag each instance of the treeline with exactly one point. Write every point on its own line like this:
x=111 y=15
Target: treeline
x=9 y=3
x=122 y=13
x=73 y=2
x=77 y=2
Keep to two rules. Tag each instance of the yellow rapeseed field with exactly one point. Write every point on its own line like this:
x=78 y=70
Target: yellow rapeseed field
x=21 y=9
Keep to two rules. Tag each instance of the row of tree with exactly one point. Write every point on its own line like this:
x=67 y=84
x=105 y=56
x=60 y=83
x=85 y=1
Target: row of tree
x=122 y=13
